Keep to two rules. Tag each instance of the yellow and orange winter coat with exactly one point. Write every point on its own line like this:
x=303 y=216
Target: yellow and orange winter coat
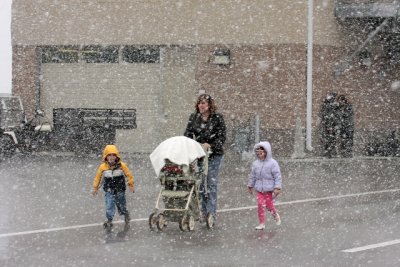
x=112 y=177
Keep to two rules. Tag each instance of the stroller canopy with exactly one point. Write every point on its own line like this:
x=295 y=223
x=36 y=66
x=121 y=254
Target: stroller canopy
x=180 y=150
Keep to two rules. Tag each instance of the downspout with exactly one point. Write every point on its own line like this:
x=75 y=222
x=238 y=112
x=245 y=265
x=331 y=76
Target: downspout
x=257 y=129
x=38 y=80
x=309 y=75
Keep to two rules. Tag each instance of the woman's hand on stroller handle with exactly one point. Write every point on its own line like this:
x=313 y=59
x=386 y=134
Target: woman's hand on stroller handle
x=206 y=146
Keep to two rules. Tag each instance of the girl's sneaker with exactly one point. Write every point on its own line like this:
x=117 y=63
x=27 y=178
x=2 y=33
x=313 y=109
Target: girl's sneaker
x=260 y=227
x=277 y=219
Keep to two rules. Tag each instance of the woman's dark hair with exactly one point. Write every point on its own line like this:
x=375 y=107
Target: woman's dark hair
x=210 y=101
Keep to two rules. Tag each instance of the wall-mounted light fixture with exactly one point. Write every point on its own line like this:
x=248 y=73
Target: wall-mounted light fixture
x=221 y=56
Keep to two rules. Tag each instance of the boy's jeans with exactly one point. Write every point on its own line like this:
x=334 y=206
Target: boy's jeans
x=118 y=200
x=209 y=201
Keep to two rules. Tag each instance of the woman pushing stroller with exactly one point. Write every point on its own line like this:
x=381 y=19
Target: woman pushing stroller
x=207 y=127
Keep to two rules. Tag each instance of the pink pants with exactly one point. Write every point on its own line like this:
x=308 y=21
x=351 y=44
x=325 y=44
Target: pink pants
x=265 y=197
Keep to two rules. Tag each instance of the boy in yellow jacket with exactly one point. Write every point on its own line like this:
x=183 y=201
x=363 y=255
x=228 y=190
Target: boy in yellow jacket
x=113 y=172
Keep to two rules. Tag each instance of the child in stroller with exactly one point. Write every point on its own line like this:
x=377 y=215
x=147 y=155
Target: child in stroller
x=181 y=166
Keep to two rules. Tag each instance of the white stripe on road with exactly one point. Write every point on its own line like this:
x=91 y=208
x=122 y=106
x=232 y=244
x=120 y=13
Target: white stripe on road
x=315 y=199
x=219 y=211
x=64 y=228
x=378 y=245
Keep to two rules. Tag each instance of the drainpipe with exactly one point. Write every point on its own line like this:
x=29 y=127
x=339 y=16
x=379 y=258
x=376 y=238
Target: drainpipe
x=309 y=75
x=257 y=129
x=38 y=80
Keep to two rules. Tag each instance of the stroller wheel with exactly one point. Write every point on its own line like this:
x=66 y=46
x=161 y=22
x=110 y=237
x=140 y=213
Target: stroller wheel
x=183 y=225
x=191 y=223
x=161 y=222
x=152 y=221
x=210 y=221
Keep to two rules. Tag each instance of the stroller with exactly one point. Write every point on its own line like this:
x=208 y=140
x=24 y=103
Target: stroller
x=181 y=166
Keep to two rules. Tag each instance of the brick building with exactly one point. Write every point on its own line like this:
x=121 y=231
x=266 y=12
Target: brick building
x=156 y=56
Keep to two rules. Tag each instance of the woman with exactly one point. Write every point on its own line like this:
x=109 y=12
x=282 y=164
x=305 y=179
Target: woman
x=208 y=128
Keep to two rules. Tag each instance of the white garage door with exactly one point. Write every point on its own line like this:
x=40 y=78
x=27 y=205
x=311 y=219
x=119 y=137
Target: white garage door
x=108 y=86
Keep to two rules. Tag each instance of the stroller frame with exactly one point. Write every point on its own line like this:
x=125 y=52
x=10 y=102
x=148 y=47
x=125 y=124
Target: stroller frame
x=180 y=195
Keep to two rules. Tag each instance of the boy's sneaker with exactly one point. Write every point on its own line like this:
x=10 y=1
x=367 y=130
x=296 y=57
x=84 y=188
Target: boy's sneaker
x=108 y=224
x=277 y=219
x=260 y=227
x=127 y=218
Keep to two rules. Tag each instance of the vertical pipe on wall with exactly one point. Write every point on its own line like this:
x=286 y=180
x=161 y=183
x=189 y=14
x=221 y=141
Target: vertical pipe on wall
x=257 y=129
x=38 y=79
x=309 y=75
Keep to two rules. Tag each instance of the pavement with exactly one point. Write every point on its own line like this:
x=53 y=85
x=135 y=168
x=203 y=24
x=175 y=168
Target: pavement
x=327 y=206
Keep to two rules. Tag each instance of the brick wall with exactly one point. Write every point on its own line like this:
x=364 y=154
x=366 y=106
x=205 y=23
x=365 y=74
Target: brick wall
x=270 y=80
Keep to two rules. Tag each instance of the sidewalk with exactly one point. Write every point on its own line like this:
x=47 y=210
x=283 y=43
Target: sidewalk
x=227 y=157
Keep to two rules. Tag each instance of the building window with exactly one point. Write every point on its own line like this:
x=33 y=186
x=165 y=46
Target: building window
x=141 y=54
x=60 y=54
x=100 y=54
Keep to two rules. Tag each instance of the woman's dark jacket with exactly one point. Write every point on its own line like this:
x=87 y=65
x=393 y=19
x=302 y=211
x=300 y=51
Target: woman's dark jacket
x=213 y=131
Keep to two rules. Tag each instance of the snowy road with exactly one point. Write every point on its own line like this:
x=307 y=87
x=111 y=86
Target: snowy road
x=334 y=213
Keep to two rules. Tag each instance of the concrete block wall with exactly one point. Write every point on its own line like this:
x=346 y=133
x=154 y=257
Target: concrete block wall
x=179 y=89
x=25 y=77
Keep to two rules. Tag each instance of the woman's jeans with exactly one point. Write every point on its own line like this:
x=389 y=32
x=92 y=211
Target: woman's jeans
x=209 y=199
x=118 y=200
